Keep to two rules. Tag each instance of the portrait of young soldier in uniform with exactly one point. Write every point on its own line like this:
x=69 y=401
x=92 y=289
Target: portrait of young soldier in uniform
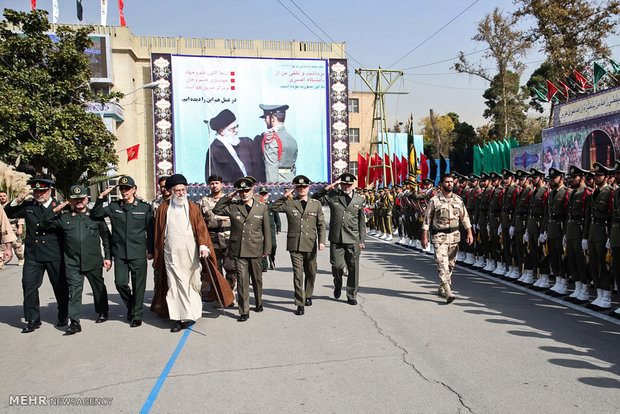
x=306 y=226
x=277 y=146
x=444 y=213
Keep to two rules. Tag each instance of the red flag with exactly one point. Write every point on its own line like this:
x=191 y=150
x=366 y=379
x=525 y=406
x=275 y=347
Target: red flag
x=395 y=169
x=565 y=88
x=362 y=169
x=379 y=170
x=388 y=179
x=423 y=166
x=33 y=4
x=121 y=5
x=551 y=90
x=583 y=81
x=404 y=169
x=132 y=152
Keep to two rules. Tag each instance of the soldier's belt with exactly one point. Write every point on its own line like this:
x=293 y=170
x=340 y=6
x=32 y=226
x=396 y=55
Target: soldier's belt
x=598 y=220
x=449 y=230
x=285 y=170
x=522 y=215
x=576 y=219
x=219 y=230
x=537 y=216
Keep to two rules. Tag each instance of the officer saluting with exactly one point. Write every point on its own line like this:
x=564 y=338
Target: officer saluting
x=82 y=252
x=43 y=253
x=132 y=244
x=347 y=230
x=305 y=226
x=278 y=147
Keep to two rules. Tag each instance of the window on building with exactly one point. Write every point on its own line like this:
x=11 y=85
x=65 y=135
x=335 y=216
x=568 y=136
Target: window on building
x=354 y=135
x=353 y=167
x=354 y=105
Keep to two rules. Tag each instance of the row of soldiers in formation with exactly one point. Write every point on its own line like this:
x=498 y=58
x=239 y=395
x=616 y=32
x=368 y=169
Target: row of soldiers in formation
x=536 y=230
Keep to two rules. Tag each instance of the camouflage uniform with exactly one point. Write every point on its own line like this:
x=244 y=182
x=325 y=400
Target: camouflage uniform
x=18 y=246
x=445 y=214
x=219 y=232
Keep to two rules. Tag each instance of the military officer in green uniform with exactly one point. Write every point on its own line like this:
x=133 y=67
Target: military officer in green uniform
x=250 y=241
x=278 y=146
x=575 y=220
x=132 y=244
x=275 y=224
x=346 y=232
x=598 y=217
x=82 y=239
x=535 y=218
x=554 y=228
x=306 y=226
x=479 y=226
x=43 y=253
x=506 y=230
x=614 y=234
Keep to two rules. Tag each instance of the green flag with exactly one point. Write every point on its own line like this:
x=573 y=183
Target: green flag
x=513 y=143
x=615 y=66
x=599 y=72
x=487 y=157
x=541 y=96
x=477 y=169
x=506 y=145
x=497 y=157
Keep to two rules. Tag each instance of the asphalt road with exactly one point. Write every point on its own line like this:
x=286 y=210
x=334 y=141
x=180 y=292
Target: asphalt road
x=497 y=348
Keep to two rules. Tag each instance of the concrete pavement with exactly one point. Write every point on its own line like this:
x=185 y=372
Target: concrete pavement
x=402 y=349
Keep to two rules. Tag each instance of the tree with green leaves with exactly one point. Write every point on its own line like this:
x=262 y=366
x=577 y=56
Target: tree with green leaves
x=506 y=106
x=505 y=47
x=464 y=134
x=445 y=126
x=570 y=33
x=44 y=92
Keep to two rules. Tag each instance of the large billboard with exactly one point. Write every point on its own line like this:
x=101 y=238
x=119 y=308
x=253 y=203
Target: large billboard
x=243 y=116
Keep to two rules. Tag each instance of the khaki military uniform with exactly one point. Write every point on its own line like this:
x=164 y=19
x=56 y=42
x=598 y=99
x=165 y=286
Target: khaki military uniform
x=280 y=155
x=346 y=232
x=443 y=216
x=250 y=240
x=305 y=228
x=219 y=232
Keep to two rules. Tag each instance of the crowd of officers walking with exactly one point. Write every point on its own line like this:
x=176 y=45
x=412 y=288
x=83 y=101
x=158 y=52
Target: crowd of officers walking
x=71 y=242
x=558 y=233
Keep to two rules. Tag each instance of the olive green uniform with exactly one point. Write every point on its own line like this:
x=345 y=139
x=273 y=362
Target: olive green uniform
x=509 y=202
x=554 y=227
x=305 y=227
x=522 y=260
x=495 y=209
x=132 y=240
x=82 y=239
x=575 y=221
x=346 y=232
x=536 y=215
x=250 y=240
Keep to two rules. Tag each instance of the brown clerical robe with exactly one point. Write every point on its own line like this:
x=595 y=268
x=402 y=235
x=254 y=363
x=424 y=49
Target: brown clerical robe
x=209 y=269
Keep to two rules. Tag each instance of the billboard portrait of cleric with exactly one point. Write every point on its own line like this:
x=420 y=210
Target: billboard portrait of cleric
x=229 y=155
x=277 y=145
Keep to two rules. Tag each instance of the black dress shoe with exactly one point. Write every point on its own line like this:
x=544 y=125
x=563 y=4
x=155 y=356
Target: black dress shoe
x=61 y=322
x=178 y=325
x=74 y=328
x=102 y=318
x=259 y=308
x=300 y=310
x=337 y=292
x=352 y=302
x=308 y=301
x=135 y=323
x=31 y=326
x=243 y=318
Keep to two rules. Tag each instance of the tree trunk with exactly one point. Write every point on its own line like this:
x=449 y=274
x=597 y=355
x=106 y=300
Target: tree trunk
x=436 y=134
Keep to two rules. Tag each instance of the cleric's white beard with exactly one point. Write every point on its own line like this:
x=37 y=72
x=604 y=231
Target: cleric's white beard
x=230 y=138
x=179 y=200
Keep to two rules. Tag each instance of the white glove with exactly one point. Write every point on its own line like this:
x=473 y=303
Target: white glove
x=608 y=244
x=499 y=230
x=511 y=231
x=542 y=238
x=488 y=228
x=526 y=237
x=564 y=241
x=584 y=244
